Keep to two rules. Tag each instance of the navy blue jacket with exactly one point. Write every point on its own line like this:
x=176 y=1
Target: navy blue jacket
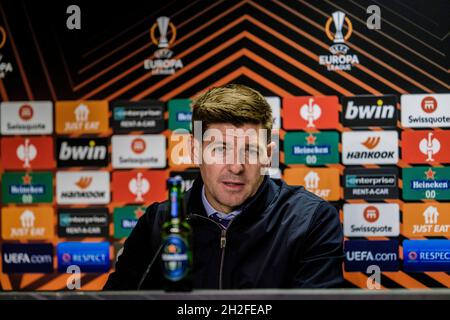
x=285 y=237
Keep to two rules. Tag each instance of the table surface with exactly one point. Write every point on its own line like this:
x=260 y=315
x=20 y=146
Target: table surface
x=261 y=294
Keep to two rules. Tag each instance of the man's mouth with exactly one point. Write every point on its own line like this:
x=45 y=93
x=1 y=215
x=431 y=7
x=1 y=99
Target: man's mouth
x=233 y=185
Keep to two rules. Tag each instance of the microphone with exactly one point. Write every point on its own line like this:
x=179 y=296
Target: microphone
x=149 y=267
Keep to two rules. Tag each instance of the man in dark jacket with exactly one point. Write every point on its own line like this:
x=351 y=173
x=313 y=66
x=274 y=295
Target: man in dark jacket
x=249 y=231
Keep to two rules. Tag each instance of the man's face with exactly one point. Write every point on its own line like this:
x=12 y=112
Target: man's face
x=232 y=163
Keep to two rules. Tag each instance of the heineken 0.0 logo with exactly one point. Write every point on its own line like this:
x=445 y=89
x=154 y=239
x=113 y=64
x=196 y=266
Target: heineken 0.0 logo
x=421 y=183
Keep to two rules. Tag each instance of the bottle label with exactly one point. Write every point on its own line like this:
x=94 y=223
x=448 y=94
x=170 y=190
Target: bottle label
x=175 y=258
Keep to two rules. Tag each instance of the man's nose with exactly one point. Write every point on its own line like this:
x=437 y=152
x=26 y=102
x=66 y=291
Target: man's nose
x=236 y=168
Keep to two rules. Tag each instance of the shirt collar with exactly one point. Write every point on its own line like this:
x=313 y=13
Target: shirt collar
x=210 y=210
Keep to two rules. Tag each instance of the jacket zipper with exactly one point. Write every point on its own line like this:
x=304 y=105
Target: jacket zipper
x=223 y=243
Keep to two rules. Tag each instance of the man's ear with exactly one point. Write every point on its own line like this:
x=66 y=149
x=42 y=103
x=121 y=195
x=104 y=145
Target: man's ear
x=195 y=150
x=270 y=151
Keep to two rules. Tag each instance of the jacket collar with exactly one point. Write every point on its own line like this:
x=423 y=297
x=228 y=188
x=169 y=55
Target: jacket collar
x=253 y=206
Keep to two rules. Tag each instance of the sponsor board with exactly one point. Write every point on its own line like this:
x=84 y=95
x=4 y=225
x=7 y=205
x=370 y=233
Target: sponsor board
x=125 y=219
x=180 y=114
x=27 y=187
x=82 y=152
x=27 y=223
x=310 y=113
x=420 y=183
x=275 y=105
x=188 y=177
x=371 y=220
x=371 y=184
x=426 y=255
x=426 y=146
x=425 y=110
x=180 y=151
x=369 y=111
x=138 y=151
x=311 y=148
x=83 y=222
x=360 y=254
x=83 y=187
x=27 y=153
x=139 y=186
x=324 y=182
x=145 y=115
x=370 y=147
x=81 y=117
x=26 y=117
x=426 y=220
x=90 y=257
x=27 y=258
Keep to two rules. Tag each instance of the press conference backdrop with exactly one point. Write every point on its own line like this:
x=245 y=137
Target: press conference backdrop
x=91 y=94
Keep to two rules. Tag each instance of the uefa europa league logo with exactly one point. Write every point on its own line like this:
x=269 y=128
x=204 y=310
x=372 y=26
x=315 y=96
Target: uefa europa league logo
x=338 y=19
x=163 y=25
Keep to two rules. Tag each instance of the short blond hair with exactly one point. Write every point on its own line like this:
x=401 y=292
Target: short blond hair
x=233 y=103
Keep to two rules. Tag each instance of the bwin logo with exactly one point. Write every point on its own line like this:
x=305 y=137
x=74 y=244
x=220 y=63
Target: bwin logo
x=378 y=111
x=89 y=152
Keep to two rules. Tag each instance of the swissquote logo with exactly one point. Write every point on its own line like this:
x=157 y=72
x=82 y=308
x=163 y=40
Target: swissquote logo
x=26 y=117
x=310 y=113
x=164 y=63
x=370 y=111
x=370 y=147
x=139 y=186
x=144 y=151
x=340 y=58
x=423 y=219
x=425 y=110
x=28 y=153
x=82 y=152
x=371 y=220
x=426 y=146
x=84 y=187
